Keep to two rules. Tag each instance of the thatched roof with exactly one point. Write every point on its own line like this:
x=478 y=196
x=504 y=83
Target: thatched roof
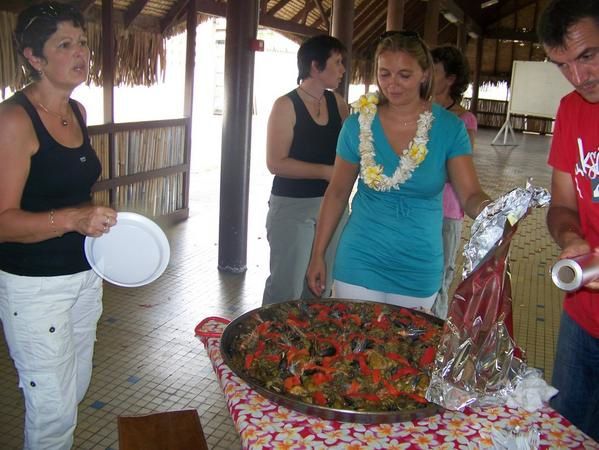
x=141 y=27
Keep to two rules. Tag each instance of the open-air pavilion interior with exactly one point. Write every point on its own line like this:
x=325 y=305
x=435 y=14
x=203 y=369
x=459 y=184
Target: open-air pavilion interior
x=147 y=358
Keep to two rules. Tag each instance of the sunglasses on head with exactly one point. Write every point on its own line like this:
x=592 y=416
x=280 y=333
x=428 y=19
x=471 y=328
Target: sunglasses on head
x=47 y=10
x=402 y=33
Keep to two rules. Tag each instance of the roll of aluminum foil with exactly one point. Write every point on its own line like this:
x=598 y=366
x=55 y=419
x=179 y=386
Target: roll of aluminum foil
x=570 y=274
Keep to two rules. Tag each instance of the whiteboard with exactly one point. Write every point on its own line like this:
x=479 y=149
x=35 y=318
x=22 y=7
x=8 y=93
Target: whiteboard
x=537 y=88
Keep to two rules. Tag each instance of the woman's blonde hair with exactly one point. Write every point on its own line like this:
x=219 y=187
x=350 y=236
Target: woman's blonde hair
x=411 y=43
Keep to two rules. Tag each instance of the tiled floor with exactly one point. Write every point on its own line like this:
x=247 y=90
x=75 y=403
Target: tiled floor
x=147 y=358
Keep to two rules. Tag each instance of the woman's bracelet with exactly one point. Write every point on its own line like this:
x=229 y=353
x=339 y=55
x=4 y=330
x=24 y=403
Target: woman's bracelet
x=53 y=222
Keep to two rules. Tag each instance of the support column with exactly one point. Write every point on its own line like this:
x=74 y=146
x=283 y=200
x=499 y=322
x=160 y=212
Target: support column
x=108 y=70
x=108 y=60
x=343 y=29
x=190 y=53
x=431 y=24
x=462 y=38
x=242 y=27
x=476 y=78
x=395 y=14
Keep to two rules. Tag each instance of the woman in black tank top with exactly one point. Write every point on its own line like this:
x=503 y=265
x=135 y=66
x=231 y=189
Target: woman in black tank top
x=50 y=299
x=301 y=140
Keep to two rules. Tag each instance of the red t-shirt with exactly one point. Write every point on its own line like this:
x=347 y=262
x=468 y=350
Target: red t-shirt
x=577 y=120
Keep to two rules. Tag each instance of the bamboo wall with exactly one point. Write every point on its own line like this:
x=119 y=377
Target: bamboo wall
x=492 y=113
x=144 y=167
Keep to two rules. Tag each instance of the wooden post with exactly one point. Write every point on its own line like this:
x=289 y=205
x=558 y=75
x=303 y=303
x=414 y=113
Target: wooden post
x=108 y=67
x=242 y=28
x=431 y=24
x=462 y=37
x=476 y=78
x=343 y=29
x=395 y=14
x=190 y=53
x=108 y=70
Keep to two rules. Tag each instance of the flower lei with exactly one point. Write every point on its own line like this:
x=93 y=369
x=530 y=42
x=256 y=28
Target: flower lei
x=372 y=173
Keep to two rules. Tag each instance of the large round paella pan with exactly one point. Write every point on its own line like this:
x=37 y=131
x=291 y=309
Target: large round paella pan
x=337 y=359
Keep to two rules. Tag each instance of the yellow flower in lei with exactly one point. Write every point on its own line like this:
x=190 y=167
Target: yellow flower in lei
x=371 y=172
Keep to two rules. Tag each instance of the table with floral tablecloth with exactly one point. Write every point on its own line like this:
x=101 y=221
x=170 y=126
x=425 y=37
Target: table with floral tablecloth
x=264 y=424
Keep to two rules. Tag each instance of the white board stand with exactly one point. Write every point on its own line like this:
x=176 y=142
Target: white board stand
x=505 y=129
x=536 y=90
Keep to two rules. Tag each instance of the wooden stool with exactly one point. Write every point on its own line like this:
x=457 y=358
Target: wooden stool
x=171 y=430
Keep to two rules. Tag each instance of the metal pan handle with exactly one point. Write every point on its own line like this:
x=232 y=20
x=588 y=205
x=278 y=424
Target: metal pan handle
x=207 y=327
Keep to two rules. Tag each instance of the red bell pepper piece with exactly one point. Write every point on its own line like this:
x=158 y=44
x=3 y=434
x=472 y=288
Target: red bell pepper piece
x=364 y=369
x=403 y=372
x=391 y=389
x=416 y=397
x=319 y=398
x=293 y=320
x=354 y=388
x=397 y=357
x=428 y=356
x=291 y=381
x=376 y=376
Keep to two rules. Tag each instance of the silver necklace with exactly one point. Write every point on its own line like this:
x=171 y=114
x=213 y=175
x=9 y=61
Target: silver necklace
x=63 y=120
x=318 y=100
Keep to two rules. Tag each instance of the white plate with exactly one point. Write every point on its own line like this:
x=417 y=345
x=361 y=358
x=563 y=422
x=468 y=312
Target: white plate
x=135 y=252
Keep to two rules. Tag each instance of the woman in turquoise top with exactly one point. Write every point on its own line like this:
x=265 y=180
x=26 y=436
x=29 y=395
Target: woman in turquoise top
x=403 y=148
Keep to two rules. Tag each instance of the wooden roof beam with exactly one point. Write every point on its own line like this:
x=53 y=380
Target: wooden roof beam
x=514 y=8
x=263 y=6
x=324 y=17
x=366 y=17
x=278 y=6
x=289 y=27
x=321 y=19
x=84 y=5
x=302 y=14
x=212 y=8
x=133 y=11
x=511 y=35
x=172 y=14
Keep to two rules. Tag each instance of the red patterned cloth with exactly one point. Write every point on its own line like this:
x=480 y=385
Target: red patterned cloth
x=264 y=425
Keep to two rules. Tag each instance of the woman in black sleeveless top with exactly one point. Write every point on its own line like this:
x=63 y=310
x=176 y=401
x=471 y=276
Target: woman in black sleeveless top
x=301 y=140
x=50 y=299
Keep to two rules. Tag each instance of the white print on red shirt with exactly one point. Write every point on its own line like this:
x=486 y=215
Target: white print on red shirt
x=588 y=166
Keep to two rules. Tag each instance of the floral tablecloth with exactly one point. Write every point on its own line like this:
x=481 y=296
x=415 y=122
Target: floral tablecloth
x=265 y=425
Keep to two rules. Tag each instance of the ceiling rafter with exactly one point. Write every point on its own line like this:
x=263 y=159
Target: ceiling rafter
x=84 y=5
x=263 y=5
x=302 y=14
x=133 y=11
x=367 y=16
x=513 y=9
x=172 y=14
x=277 y=7
x=324 y=17
x=512 y=35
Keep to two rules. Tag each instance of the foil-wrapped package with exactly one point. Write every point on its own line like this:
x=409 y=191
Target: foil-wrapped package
x=478 y=362
x=489 y=226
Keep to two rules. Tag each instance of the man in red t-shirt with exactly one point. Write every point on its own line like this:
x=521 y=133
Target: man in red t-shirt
x=569 y=31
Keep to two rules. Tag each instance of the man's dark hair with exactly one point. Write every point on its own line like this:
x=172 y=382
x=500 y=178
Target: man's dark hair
x=560 y=15
x=317 y=48
x=454 y=63
x=37 y=23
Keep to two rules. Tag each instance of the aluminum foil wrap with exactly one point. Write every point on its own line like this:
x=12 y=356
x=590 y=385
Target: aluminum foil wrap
x=489 y=226
x=478 y=362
